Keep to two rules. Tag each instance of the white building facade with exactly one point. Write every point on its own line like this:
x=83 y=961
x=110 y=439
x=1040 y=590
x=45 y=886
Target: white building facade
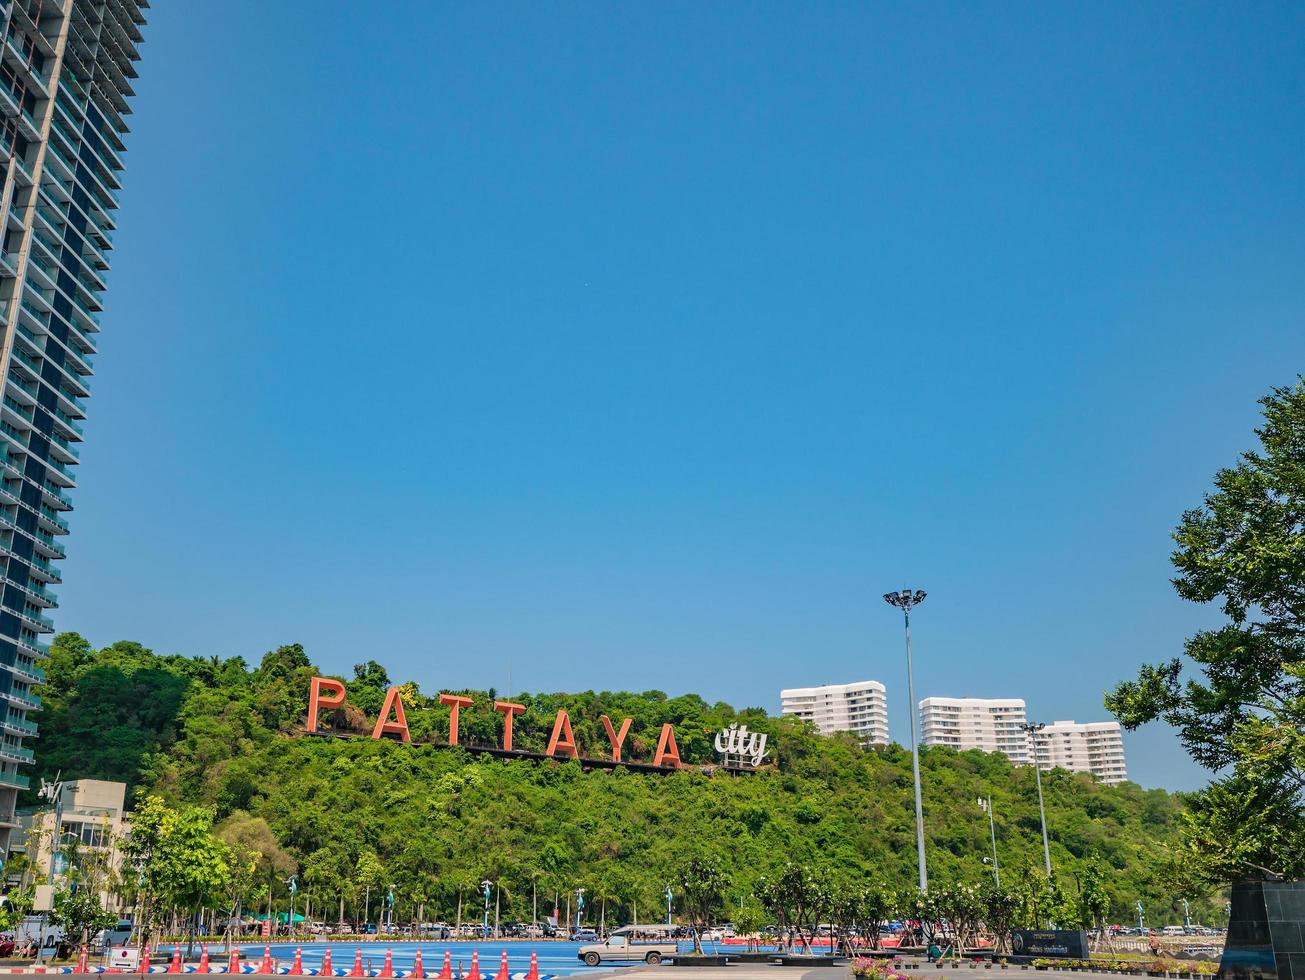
x=989 y=724
x=1095 y=746
x=92 y=812
x=860 y=708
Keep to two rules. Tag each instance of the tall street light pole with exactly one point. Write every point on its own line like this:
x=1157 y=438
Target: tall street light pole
x=985 y=804
x=1032 y=732
x=904 y=600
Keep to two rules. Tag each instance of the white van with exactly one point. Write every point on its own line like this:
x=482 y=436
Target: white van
x=632 y=944
x=1173 y=931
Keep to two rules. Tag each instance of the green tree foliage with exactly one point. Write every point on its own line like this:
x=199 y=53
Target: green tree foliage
x=79 y=912
x=181 y=864
x=702 y=890
x=359 y=816
x=1244 y=716
x=16 y=905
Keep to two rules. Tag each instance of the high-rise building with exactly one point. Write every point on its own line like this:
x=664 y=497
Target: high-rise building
x=65 y=81
x=1095 y=746
x=860 y=707
x=990 y=724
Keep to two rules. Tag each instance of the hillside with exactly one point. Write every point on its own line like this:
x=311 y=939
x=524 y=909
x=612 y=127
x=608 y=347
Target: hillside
x=226 y=735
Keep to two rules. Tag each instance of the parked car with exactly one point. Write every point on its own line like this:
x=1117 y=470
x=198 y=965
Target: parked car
x=632 y=944
x=118 y=935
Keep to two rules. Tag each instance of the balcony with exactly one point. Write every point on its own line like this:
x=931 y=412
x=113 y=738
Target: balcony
x=28 y=672
x=16 y=753
x=32 y=646
x=19 y=726
x=57 y=493
x=29 y=701
x=14 y=779
x=47 y=542
x=46 y=514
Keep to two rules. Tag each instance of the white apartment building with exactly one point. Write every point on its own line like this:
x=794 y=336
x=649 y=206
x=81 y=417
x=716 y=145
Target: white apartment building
x=990 y=724
x=860 y=707
x=1095 y=746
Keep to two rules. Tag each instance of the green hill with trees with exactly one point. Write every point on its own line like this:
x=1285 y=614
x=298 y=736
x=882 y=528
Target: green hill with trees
x=220 y=743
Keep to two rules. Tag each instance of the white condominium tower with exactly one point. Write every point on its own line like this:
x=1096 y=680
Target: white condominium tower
x=1095 y=746
x=66 y=70
x=990 y=724
x=860 y=707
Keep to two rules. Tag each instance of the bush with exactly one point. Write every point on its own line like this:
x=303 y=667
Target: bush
x=873 y=968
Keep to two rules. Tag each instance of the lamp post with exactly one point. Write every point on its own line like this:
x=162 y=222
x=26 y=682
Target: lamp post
x=986 y=806
x=1032 y=732
x=292 y=883
x=1187 y=915
x=52 y=793
x=904 y=600
x=668 y=904
x=484 y=926
x=1141 y=925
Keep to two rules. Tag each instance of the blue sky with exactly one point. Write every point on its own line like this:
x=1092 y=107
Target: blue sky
x=635 y=346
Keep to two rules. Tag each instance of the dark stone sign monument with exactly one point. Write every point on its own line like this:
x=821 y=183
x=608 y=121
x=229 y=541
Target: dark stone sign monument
x=1265 y=932
x=1068 y=943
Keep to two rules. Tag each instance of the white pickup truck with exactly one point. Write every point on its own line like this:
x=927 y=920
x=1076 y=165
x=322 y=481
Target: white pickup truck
x=632 y=944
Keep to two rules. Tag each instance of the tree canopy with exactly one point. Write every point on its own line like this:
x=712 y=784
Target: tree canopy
x=1241 y=712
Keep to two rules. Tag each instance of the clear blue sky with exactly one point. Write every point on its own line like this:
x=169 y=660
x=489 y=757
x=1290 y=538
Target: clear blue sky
x=646 y=345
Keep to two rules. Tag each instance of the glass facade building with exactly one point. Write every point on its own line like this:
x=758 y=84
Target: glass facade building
x=65 y=83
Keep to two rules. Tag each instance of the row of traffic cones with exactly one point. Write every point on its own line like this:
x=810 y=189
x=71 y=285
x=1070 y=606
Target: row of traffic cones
x=267 y=968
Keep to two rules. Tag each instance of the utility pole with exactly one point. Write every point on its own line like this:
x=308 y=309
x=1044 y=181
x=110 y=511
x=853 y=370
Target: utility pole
x=1032 y=732
x=986 y=806
x=904 y=600
x=52 y=792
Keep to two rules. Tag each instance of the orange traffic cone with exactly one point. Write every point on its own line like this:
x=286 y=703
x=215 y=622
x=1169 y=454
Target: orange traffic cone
x=475 y=966
x=502 y=968
x=145 y=959
x=297 y=967
x=388 y=969
x=233 y=961
x=266 y=966
x=175 y=965
x=82 y=965
x=327 y=970
x=203 y=959
x=357 y=970
x=417 y=970
x=534 y=967
x=447 y=972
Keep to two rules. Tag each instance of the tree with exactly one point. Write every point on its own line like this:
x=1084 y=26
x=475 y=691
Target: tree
x=177 y=858
x=961 y=906
x=1000 y=907
x=702 y=887
x=16 y=906
x=796 y=899
x=876 y=906
x=255 y=861
x=748 y=918
x=1244 y=716
x=79 y=912
x=368 y=874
